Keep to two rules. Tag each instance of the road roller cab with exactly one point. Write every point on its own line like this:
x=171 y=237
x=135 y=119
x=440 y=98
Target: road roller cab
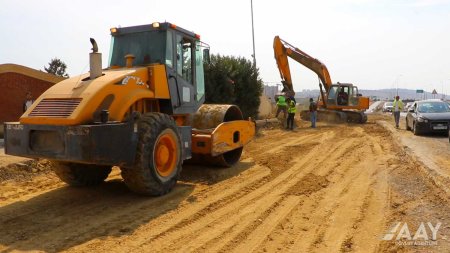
x=144 y=113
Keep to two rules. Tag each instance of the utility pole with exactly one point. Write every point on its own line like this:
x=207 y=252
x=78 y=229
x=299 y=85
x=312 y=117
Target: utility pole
x=253 y=34
x=397 y=81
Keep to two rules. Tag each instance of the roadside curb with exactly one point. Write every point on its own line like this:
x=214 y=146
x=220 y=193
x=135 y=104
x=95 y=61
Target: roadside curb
x=439 y=180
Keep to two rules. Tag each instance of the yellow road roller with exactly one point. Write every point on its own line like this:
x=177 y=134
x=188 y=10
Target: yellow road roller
x=144 y=113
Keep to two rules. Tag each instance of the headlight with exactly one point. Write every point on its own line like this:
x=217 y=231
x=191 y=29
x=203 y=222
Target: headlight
x=422 y=119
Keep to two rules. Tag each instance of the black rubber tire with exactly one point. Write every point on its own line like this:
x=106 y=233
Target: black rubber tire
x=143 y=177
x=408 y=128
x=77 y=174
x=415 y=130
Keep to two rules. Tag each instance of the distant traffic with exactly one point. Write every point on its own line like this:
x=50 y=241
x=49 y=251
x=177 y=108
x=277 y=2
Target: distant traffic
x=424 y=116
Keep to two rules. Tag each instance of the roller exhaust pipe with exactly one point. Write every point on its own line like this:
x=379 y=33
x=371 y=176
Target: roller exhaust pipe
x=95 y=61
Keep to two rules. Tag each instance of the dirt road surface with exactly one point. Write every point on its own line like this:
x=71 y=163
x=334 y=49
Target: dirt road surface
x=337 y=188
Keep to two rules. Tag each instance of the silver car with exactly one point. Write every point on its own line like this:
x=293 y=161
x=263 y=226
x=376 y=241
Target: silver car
x=388 y=106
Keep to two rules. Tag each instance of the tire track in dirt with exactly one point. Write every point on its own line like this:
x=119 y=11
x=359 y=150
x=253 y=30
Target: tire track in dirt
x=286 y=139
x=315 y=201
x=293 y=141
x=83 y=220
x=261 y=232
x=348 y=209
x=233 y=230
x=12 y=191
x=179 y=219
x=261 y=200
x=345 y=212
x=129 y=204
x=325 y=190
x=208 y=214
x=323 y=172
x=333 y=203
x=372 y=219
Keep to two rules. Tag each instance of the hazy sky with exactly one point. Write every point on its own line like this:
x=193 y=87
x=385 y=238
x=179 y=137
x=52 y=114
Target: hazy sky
x=371 y=43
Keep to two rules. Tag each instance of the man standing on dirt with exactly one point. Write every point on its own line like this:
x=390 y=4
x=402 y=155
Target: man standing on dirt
x=313 y=112
x=397 y=108
x=281 y=105
x=291 y=114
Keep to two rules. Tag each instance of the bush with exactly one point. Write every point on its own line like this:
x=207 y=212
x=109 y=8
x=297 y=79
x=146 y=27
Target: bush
x=231 y=80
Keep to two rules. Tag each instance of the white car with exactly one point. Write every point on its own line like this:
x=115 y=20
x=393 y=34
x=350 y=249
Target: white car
x=388 y=107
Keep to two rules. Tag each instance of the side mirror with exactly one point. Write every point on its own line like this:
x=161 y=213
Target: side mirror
x=206 y=57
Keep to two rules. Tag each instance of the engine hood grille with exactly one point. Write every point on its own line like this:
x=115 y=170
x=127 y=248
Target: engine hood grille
x=55 y=107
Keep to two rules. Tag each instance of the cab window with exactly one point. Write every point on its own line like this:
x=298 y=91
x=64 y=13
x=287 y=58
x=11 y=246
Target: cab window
x=331 y=98
x=353 y=96
x=200 y=82
x=332 y=92
x=169 y=50
x=184 y=58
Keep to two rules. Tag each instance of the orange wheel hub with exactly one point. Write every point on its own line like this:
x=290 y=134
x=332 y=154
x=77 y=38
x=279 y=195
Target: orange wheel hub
x=166 y=155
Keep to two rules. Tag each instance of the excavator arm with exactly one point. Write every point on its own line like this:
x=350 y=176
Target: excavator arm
x=283 y=50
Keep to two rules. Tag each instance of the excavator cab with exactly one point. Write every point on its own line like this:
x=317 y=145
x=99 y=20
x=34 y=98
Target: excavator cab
x=343 y=94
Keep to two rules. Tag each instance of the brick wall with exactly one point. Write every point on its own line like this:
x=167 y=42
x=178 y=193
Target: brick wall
x=13 y=90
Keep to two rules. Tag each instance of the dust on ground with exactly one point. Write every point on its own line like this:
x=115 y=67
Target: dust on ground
x=337 y=188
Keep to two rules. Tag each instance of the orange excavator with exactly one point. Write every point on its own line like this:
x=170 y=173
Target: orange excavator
x=338 y=102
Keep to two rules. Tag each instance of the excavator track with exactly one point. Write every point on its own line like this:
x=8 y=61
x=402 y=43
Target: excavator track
x=336 y=116
x=356 y=117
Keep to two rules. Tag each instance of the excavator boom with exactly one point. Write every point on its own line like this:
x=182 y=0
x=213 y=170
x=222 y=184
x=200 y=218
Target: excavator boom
x=283 y=50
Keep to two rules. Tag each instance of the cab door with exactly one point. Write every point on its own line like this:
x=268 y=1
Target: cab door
x=182 y=75
x=353 y=96
x=332 y=95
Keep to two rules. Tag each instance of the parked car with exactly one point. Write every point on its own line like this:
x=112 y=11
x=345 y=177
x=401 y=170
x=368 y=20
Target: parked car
x=388 y=106
x=409 y=104
x=428 y=116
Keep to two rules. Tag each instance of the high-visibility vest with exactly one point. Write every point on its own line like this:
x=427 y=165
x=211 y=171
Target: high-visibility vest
x=281 y=101
x=400 y=105
x=292 y=108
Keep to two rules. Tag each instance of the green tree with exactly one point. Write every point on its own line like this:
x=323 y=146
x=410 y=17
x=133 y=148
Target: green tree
x=233 y=80
x=57 y=67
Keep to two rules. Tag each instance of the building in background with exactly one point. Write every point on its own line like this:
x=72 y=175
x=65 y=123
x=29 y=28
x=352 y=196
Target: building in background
x=15 y=82
x=270 y=92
